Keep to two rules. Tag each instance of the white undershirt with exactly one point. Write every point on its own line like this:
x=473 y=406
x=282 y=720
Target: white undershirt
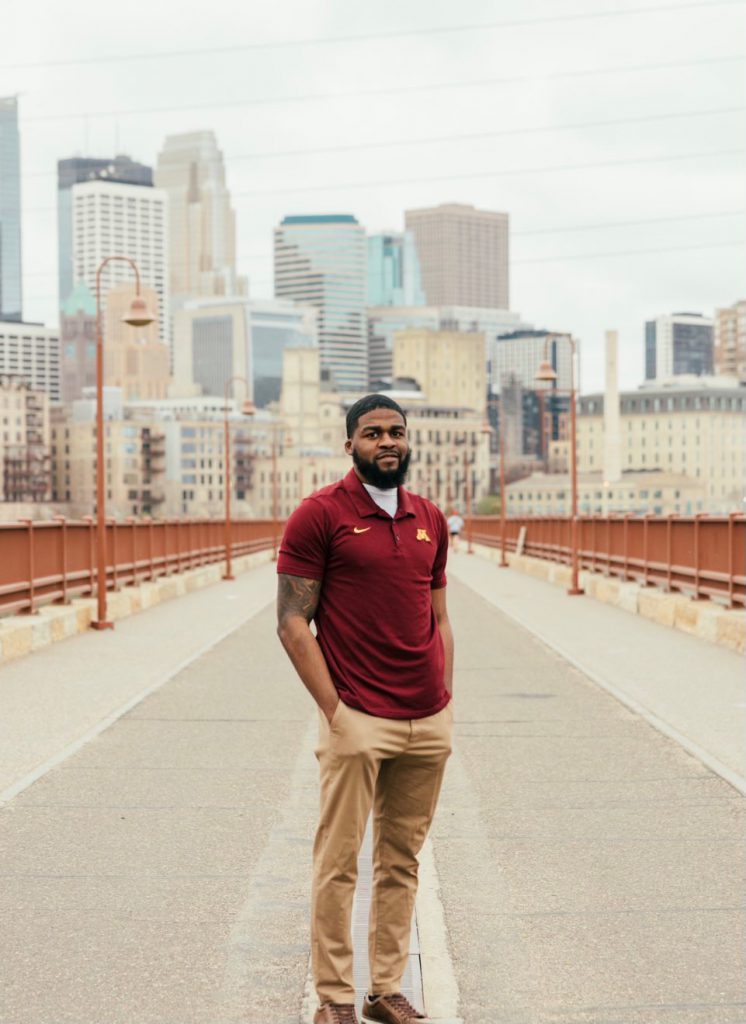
x=386 y=498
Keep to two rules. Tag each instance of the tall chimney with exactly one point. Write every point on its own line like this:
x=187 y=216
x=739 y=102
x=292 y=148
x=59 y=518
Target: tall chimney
x=612 y=432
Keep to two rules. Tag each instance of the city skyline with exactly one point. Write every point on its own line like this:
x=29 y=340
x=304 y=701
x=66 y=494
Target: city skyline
x=635 y=158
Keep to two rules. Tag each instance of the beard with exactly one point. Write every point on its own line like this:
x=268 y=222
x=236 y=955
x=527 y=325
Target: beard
x=376 y=476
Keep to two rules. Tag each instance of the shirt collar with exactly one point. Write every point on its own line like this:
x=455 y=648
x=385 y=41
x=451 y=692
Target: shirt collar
x=364 y=504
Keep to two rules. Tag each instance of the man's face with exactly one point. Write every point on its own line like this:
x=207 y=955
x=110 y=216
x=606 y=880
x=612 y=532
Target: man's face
x=379 y=448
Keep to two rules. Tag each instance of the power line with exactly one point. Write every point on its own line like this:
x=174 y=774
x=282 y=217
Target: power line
x=374 y=36
x=631 y=252
x=390 y=91
x=265 y=253
x=549 y=168
x=628 y=223
x=472 y=136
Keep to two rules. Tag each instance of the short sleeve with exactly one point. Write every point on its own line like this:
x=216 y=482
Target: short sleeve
x=303 y=547
x=441 y=554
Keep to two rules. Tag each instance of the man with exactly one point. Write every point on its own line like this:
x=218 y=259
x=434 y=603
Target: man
x=455 y=526
x=365 y=559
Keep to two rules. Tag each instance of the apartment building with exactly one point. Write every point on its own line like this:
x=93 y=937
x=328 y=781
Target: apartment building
x=25 y=470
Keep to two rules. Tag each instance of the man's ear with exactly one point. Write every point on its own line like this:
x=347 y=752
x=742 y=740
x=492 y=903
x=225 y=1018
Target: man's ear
x=348 y=446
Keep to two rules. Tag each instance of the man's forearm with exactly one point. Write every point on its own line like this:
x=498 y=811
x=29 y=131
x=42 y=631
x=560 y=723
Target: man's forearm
x=308 y=660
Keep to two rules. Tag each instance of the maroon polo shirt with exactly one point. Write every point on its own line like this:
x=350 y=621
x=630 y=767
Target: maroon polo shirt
x=374 y=621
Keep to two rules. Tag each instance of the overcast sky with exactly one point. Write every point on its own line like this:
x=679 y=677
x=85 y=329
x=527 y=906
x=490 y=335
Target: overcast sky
x=489 y=102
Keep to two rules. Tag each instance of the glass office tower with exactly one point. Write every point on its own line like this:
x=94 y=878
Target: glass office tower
x=394 y=271
x=321 y=262
x=11 y=304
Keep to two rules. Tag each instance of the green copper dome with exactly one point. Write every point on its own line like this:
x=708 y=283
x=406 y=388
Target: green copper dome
x=80 y=298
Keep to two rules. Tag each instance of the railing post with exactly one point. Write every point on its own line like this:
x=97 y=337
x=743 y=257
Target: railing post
x=697 y=557
x=178 y=527
x=131 y=521
x=63 y=555
x=731 y=566
x=31 y=568
x=669 y=549
x=89 y=520
x=608 y=545
x=625 y=541
x=113 y=550
x=150 y=549
x=593 y=543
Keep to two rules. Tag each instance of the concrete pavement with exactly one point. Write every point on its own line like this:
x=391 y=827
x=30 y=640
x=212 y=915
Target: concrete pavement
x=589 y=867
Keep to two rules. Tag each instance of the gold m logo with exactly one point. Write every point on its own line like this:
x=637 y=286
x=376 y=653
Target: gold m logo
x=423 y=535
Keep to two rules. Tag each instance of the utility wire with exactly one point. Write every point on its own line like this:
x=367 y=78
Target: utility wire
x=631 y=252
x=618 y=12
x=401 y=90
x=549 y=168
x=267 y=252
x=472 y=136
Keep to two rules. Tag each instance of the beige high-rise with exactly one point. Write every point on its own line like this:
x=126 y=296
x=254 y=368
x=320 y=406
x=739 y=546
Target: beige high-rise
x=135 y=360
x=463 y=254
x=202 y=222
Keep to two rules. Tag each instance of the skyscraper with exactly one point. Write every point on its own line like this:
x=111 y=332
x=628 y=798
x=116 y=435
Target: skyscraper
x=321 y=261
x=127 y=220
x=679 y=343
x=394 y=270
x=71 y=172
x=191 y=172
x=11 y=300
x=463 y=255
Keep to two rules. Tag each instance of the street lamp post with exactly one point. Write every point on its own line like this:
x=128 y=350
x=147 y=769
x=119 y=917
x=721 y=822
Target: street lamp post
x=547 y=373
x=138 y=316
x=248 y=410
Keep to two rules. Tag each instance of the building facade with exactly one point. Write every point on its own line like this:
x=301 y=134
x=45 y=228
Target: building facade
x=321 y=261
x=730 y=341
x=25 y=463
x=135 y=359
x=202 y=222
x=681 y=343
x=449 y=366
x=384 y=322
x=463 y=254
x=77 y=343
x=11 y=279
x=127 y=220
x=394 y=277
x=32 y=352
x=72 y=171
x=690 y=428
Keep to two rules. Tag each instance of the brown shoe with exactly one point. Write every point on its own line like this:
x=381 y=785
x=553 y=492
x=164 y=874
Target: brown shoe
x=392 y=1009
x=336 y=1013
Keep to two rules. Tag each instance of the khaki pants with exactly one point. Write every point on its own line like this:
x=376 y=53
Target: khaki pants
x=396 y=767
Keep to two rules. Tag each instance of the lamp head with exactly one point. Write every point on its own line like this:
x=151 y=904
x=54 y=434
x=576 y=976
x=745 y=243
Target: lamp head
x=139 y=315
x=248 y=408
x=545 y=372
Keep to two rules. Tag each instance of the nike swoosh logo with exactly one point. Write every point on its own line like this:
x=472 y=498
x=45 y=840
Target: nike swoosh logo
x=356 y=529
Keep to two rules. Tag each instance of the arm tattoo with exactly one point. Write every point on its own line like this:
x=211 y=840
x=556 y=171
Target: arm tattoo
x=296 y=596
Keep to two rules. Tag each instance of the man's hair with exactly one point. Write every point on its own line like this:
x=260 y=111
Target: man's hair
x=367 y=404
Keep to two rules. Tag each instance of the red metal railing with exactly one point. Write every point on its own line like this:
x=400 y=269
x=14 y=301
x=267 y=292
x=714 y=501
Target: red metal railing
x=703 y=556
x=44 y=562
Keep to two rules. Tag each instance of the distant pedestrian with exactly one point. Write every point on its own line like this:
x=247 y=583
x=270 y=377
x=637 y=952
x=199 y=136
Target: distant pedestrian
x=455 y=526
x=365 y=560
